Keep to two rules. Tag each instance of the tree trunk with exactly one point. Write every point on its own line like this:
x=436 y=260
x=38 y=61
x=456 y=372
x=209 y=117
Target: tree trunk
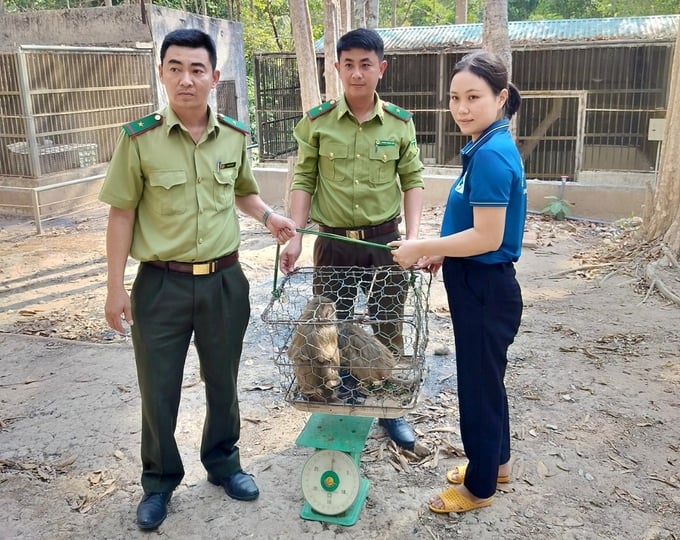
x=272 y=22
x=345 y=17
x=495 y=35
x=358 y=14
x=372 y=13
x=331 y=16
x=662 y=211
x=304 y=53
x=461 y=11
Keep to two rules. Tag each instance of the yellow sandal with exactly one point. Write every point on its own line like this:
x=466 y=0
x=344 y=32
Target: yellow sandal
x=457 y=476
x=455 y=501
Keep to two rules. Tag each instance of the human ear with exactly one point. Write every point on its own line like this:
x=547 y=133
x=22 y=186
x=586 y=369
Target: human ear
x=503 y=97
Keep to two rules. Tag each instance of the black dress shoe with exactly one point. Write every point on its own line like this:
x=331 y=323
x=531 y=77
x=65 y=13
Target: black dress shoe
x=152 y=510
x=399 y=431
x=239 y=486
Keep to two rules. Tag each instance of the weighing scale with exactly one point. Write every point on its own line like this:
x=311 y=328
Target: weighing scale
x=333 y=489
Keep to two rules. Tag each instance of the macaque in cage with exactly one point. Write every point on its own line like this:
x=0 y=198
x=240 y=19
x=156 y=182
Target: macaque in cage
x=314 y=351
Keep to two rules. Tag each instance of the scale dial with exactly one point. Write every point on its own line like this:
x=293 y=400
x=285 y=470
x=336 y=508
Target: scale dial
x=330 y=482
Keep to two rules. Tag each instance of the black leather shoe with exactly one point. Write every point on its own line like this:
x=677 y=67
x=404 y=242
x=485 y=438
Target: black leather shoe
x=399 y=431
x=152 y=510
x=239 y=486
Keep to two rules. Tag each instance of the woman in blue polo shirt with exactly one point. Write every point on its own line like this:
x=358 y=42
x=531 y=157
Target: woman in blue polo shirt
x=481 y=238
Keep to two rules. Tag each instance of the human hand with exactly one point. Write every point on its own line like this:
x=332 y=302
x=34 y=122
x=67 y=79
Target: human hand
x=117 y=309
x=290 y=255
x=430 y=264
x=281 y=227
x=405 y=252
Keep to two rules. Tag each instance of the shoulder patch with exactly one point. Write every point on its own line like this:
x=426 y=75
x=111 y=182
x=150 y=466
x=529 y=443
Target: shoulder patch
x=322 y=109
x=234 y=124
x=143 y=125
x=400 y=113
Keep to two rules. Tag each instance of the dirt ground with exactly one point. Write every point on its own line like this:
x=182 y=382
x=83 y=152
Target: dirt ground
x=593 y=382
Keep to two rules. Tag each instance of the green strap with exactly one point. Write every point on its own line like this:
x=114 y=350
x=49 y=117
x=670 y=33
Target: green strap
x=331 y=236
x=343 y=238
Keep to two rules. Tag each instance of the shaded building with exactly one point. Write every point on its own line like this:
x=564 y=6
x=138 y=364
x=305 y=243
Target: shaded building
x=594 y=93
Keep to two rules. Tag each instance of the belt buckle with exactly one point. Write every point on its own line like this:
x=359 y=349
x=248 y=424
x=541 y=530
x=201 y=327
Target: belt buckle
x=355 y=235
x=202 y=269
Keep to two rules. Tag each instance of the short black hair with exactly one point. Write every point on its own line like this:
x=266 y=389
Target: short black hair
x=490 y=67
x=192 y=38
x=361 y=38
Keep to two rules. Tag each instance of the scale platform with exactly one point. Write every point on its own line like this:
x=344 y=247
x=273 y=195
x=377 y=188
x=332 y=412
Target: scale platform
x=333 y=489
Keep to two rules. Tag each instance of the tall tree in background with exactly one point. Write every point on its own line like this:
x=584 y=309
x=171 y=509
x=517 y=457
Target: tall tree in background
x=372 y=13
x=365 y=13
x=461 y=11
x=332 y=15
x=495 y=35
x=345 y=23
x=662 y=211
x=304 y=53
x=358 y=14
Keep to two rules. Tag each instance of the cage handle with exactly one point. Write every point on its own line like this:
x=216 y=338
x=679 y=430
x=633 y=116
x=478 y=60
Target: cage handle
x=332 y=236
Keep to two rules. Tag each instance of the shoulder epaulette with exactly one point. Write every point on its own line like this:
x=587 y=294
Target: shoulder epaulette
x=234 y=124
x=400 y=113
x=322 y=109
x=143 y=125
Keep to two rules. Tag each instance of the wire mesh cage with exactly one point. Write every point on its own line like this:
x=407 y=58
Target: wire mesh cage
x=350 y=340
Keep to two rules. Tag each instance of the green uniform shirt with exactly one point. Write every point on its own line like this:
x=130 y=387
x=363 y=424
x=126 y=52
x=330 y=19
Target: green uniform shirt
x=183 y=192
x=356 y=172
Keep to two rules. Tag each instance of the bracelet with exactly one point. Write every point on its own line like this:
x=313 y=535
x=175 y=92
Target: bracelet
x=268 y=212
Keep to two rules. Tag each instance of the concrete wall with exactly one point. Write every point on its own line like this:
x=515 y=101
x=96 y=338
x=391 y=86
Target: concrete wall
x=119 y=26
x=597 y=202
x=124 y=26
x=600 y=203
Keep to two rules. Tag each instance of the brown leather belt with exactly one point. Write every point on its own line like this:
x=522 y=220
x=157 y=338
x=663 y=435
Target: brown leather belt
x=197 y=269
x=364 y=232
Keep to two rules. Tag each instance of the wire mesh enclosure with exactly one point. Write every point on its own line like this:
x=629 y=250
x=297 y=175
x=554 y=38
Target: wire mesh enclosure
x=350 y=340
x=61 y=108
x=589 y=90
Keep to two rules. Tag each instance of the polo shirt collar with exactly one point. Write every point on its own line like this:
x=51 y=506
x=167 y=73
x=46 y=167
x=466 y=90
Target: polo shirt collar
x=499 y=125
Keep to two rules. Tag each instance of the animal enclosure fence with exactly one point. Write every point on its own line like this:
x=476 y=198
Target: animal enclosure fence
x=62 y=108
x=590 y=92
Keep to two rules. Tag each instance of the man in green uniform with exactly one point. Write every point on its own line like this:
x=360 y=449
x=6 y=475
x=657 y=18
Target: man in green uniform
x=174 y=183
x=356 y=156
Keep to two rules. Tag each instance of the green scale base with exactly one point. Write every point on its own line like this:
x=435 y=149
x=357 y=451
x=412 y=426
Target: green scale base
x=340 y=433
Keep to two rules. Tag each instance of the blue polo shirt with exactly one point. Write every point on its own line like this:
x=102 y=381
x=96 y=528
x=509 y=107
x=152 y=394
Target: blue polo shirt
x=493 y=175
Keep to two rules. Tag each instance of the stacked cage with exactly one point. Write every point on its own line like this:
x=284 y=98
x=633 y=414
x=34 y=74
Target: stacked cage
x=350 y=340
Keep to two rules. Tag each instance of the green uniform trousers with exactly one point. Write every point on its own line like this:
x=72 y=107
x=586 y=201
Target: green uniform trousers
x=167 y=308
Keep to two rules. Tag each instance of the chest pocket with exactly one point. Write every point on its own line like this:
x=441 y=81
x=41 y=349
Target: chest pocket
x=384 y=164
x=333 y=161
x=167 y=193
x=224 y=188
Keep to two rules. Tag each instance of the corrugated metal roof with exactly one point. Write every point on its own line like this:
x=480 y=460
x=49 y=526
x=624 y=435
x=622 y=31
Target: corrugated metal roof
x=526 y=33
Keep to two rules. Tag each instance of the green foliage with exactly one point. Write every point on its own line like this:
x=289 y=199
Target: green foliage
x=521 y=10
x=558 y=209
x=582 y=9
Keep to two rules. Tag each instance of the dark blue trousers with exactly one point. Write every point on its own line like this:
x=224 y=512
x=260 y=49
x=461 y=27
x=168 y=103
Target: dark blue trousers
x=167 y=308
x=486 y=308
